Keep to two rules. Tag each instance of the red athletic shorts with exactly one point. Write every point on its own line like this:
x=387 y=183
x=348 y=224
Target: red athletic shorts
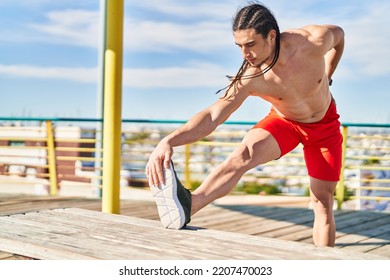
x=322 y=141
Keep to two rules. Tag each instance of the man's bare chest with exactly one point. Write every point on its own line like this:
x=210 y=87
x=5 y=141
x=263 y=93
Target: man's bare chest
x=297 y=79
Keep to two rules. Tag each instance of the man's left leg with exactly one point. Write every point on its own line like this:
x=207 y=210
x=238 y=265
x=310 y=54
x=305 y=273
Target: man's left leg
x=322 y=198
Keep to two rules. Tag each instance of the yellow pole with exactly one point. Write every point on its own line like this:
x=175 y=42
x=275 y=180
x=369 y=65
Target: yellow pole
x=112 y=124
x=340 y=189
x=51 y=156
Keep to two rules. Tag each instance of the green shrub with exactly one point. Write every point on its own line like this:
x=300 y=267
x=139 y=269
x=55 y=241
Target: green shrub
x=247 y=187
x=256 y=188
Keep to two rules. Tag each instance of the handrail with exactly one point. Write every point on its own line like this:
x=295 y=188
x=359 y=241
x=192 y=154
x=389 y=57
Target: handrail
x=373 y=125
x=166 y=121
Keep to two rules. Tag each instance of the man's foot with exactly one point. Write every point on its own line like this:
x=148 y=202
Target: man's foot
x=173 y=201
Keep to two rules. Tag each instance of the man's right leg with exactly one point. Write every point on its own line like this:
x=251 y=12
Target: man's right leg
x=257 y=147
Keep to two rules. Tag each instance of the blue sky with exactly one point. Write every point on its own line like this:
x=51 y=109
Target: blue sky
x=176 y=56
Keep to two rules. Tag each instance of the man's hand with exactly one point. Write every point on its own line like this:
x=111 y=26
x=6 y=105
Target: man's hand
x=159 y=160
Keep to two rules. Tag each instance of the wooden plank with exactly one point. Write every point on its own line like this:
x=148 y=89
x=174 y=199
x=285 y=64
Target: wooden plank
x=280 y=232
x=67 y=224
x=345 y=221
x=4 y=255
x=356 y=220
x=370 y=244
x=257 y=219
x=364 y=230
x=383 y=250
x=35 y=203
x=83 y=234
x=93 y=234
x=10 y=256
x=301 y=249
x=270 y=220
x=83 y=243
x=216 y=217
x=274 y=223
x=362 y=241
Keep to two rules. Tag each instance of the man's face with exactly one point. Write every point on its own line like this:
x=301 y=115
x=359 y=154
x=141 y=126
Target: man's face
x=255 y=49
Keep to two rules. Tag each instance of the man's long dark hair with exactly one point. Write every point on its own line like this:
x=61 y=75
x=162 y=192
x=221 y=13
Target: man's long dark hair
x=261 y=19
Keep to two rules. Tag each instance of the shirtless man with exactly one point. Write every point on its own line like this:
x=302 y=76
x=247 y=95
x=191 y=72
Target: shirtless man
x=292 y=71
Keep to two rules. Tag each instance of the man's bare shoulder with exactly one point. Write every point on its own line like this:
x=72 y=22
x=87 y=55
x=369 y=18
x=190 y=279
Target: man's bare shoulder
x=310 y=32
x=314 y=37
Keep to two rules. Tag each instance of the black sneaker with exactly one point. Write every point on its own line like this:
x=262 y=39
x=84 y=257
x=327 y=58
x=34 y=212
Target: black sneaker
x=173 y=201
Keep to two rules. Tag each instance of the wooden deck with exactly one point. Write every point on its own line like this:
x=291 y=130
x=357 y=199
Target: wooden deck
x=29 y=229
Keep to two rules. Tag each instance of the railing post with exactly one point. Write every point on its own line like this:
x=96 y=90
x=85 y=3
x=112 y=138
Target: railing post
x=340 y=190
x=187 y=171
x=51 y=155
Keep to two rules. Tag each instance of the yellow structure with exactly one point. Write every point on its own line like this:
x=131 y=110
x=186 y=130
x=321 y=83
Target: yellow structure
x=340 y=189
x=112 y=126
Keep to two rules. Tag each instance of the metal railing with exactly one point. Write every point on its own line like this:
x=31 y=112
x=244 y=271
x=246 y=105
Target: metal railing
x=365 y=179
x=53 y=152
x=33 y=151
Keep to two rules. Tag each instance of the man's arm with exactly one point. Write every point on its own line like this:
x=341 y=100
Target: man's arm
x=203 y=123
x=199 y=126
x=329 y=43
x=333 y=56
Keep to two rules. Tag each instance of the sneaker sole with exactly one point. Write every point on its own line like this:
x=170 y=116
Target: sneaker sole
x=169 y=207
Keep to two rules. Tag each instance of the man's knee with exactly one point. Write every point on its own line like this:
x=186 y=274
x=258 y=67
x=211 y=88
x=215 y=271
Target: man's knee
x=240 y=159
x=322 y=193
x=253 y=152
x=323 y=205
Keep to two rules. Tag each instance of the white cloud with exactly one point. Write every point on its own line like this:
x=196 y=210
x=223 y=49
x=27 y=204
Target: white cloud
x=81 y=28
x=85 y=75
x=165 y=36
x=74 y=27
x=194 y=75
x=216 y=10
x=78 y=27
x=44 y=3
